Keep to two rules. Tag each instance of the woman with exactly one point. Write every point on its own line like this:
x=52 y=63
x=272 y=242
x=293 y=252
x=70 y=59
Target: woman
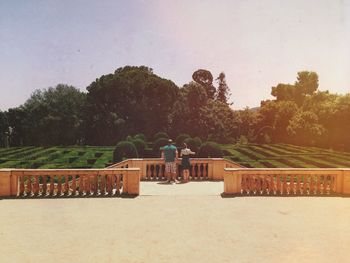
x=185 y=162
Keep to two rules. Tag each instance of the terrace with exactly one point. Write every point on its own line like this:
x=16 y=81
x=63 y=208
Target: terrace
x=158 y=222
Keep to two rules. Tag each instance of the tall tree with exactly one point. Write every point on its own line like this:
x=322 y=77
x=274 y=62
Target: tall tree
x=205 y=78
x=50 y=116
x=222 y=90
x=132 y=100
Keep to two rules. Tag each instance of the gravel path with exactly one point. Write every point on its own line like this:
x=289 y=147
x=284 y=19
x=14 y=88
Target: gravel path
x=176 y=228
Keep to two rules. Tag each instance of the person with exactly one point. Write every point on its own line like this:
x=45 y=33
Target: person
x=185 y=162
x=170 y=156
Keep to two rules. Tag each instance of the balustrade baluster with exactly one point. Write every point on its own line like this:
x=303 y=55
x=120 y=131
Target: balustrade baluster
x=149 y=172
x=74 y=184
x=265 y=185
x=36 y=185
x=279 y=188
x=95 y=184
x=109 y=184
x=21 y=185
x=243 y=184
x=87 y=187
x=118 y=185
x=193 y=171
x=59 y=185
x=66 y=185
x=102 y=185
x=328 y=184
x=81 y=185
x=44 y=186
x=205 y=167
x=251 y=184
x=291 y=184
x=52 y=185
x=29 y=185
x=284 y=184
x=298 y=184
x=333 y=184
x=312 y=184
x=271 y=186
x=318 y=184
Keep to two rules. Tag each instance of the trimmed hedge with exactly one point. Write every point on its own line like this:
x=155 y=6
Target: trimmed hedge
x=161 y=142
x=140 y=146
x=181 y=138
x=210 y=150
x=159 y=135
x=124 y=150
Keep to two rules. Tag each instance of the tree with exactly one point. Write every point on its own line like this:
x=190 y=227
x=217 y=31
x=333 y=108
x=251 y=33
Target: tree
x=305 y=129
x=4 y=129
x=53 y=116
x=205 y=79
x=306 y=85
x=131 y=100
x=222 y=90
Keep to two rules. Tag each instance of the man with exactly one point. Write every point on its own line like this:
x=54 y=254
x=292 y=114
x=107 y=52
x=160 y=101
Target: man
x=170 y=157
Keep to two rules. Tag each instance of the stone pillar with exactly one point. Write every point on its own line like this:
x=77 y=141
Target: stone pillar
x=232 y=182
x=218 y=168
x=133 y=182
x=5 y=182
x=346 y=182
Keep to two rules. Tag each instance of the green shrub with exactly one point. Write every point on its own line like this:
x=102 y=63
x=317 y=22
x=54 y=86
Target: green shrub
x=160 y=135
x=91 y=161
x=243 y=140
x=198 y=141
x=98 y=154
x=129 y=138
x=191 y=143
x=161 y=142
x=124 y=150
x=140 y=146
x=180 y=139
x=140 y=136
x=210 y=150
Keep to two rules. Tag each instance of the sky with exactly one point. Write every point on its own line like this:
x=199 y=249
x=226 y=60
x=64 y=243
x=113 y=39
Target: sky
x=258 y=44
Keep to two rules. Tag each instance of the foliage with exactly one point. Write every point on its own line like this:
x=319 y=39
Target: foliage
x=198 y=141
x=140 y=136
x=222 y=90
x=159 y=143
x=140 y=146
x=205 y=79
x=180 y=139
x=159 y=135
x=124 y=150
x=210 y=150
x=50 y=116
x=131 y=100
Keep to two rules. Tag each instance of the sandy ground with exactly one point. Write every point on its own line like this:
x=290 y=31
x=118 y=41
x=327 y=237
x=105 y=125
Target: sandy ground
x=176 y=228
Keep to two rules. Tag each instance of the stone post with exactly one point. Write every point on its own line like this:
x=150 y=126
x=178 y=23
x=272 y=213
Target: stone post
x=218 y=168
x=346 y=182
x=132 y=182
x=5 y=182
x=232 y=182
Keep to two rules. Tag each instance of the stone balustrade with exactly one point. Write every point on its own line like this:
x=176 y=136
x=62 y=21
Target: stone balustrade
x=286 y=181
x=69 y=182
x=201 y=168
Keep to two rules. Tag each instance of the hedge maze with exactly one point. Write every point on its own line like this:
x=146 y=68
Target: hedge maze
x=56 y=157
x=250 y=155
x=285 y=155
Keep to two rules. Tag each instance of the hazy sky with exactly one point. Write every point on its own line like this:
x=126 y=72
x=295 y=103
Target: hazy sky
x=258 y=44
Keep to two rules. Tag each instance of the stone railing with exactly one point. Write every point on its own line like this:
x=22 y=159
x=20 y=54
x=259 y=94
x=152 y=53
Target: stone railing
x=286 y=181
x=69 y=182
x=201 y=168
